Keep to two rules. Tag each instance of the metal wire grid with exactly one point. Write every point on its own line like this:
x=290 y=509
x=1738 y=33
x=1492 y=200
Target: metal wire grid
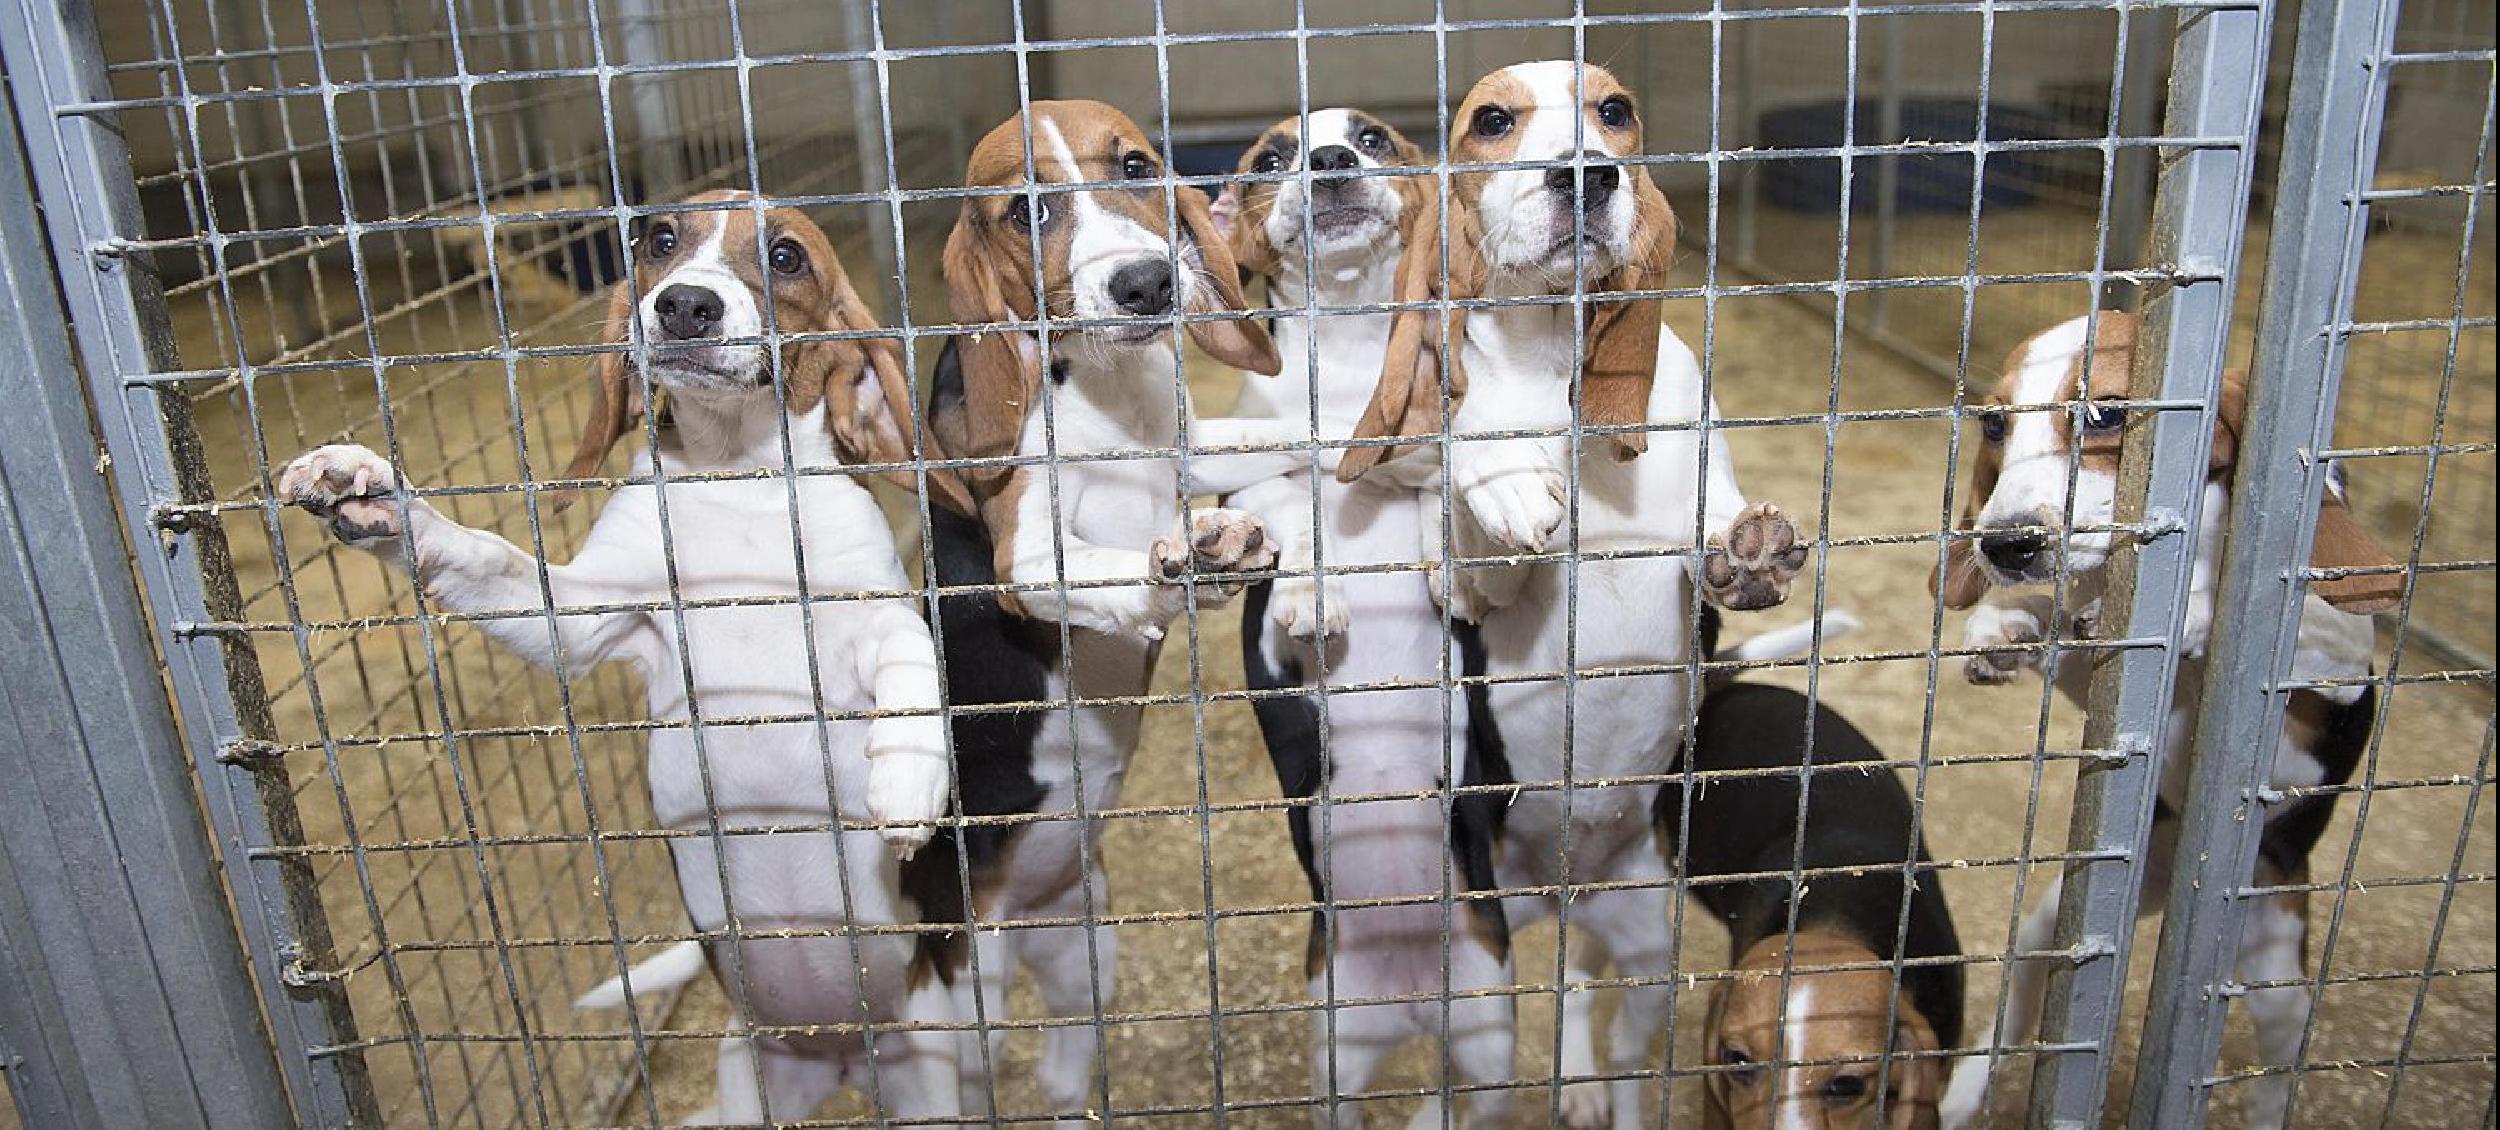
x=509 y=852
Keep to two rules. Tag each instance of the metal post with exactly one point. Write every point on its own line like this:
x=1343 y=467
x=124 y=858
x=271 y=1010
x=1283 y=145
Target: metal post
x=868 y=136
x=649 y=104
x=2217 y=82
x=2131 y=172
x=2318 y=226
x=107 y=874
x=80 y=167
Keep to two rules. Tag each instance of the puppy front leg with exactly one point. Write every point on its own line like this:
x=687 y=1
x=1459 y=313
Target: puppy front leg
x=1753 y=550
x=1209 y=542
x=908 y=774
x=358 y=495
x=1226 y=473
x=1283 y=505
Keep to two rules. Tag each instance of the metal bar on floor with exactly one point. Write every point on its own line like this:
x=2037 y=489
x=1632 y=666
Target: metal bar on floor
x=79 y=166
x=105 y=870
x=2217 y=81
x=2259 y=591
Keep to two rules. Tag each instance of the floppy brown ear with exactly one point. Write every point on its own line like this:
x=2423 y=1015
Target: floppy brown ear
x=1622 y=339
x=868 y=401
x=2341 y=543
x=2227 y=416
x=1961 y=581
x=616 y=400
x=1002 y=373
x=1407 y=401
x=1919 y=1081
x=1714 y=1112
x=1242 y=343
x=1244 y=233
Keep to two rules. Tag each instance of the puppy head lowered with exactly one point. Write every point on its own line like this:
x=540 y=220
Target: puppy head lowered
x=1353 y=220
x=1604 y=225
x=1105 y=253
x=2030 y=460
x=704 y=281
x=1855 y=1018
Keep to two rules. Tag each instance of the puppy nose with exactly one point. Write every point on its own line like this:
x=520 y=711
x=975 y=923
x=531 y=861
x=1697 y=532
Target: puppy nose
x=2014 y=552
x=687 y=311
x=1333 y=158
x=1598 y=181
x=1143 y=287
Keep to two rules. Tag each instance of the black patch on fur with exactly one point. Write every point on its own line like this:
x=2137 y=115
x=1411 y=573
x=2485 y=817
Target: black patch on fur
x=992 y=656
x=2292 y=833
x=1290 y=726
x=1058 y=370
x=1857 y=816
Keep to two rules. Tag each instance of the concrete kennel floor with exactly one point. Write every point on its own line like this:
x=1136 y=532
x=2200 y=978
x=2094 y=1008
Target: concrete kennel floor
x=1773 y=357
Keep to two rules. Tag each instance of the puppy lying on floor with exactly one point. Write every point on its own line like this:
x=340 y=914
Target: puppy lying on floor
x=713 y=281
x=1801 y=1043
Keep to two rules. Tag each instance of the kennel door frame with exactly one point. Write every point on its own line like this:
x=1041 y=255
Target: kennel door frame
x=81 y=170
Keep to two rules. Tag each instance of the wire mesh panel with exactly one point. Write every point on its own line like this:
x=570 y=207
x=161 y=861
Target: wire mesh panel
x=357 y=222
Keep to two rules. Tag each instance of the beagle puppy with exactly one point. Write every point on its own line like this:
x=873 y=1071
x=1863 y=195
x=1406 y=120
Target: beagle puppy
x=1798 y=1048
x=1096 y=540
x=2048 y=433
x=1536 y=233
x=716 y=286
x=1333 y=240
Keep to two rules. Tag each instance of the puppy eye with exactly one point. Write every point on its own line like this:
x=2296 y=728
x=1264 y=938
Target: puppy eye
x=1135 y=166
x=1027 y=214
x=1746 y=1073
x=2103 y=416
x=1373 y=138
x=1490 y=121
x=1268 y=162
x=787 y=257
x=662 y=241
x=1992 y=426
x=1615 y=112
x=1844 y=1089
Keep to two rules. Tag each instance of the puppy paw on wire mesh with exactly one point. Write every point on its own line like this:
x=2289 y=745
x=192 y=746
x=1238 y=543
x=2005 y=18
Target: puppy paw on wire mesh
x=1515 y=497
x=350 y=488
x=1216 y=542
x=1749 y=566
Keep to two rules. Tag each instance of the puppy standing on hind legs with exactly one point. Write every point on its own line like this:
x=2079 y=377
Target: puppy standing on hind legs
x=1371 y=627
x=2026 y=470
x=1535 y=233
x=711 y=277
x=1096 y=539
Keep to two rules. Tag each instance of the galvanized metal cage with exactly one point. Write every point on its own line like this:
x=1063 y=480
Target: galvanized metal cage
x=241 y=230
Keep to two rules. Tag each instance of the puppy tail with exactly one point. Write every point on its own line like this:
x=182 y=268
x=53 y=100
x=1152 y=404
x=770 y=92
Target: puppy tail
x=668 y=969
x=1781 y=643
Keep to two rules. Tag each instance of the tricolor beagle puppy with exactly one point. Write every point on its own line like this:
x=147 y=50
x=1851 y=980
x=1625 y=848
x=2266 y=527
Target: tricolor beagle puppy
x=715 y=285
x=1836 y=1047
x=1097 y=539
x=1333 y=241
x=2046 y=433
x=1534 y=233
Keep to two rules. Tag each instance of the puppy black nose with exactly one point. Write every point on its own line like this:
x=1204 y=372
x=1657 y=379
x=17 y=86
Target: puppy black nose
x=688 y=312
x=1143 y=287
x=1333 y=158
x=1599 y=181
x=2013 y=552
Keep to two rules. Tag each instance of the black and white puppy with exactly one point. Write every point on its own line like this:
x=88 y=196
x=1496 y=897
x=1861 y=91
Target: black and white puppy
x=1333 y=240
x=1801 y=1043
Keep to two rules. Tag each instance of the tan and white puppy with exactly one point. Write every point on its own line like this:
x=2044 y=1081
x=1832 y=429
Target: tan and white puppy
x=2049 y=432
x=715 y=286
x=1534 y=233
x=1097 y=536
x=1330 y=238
